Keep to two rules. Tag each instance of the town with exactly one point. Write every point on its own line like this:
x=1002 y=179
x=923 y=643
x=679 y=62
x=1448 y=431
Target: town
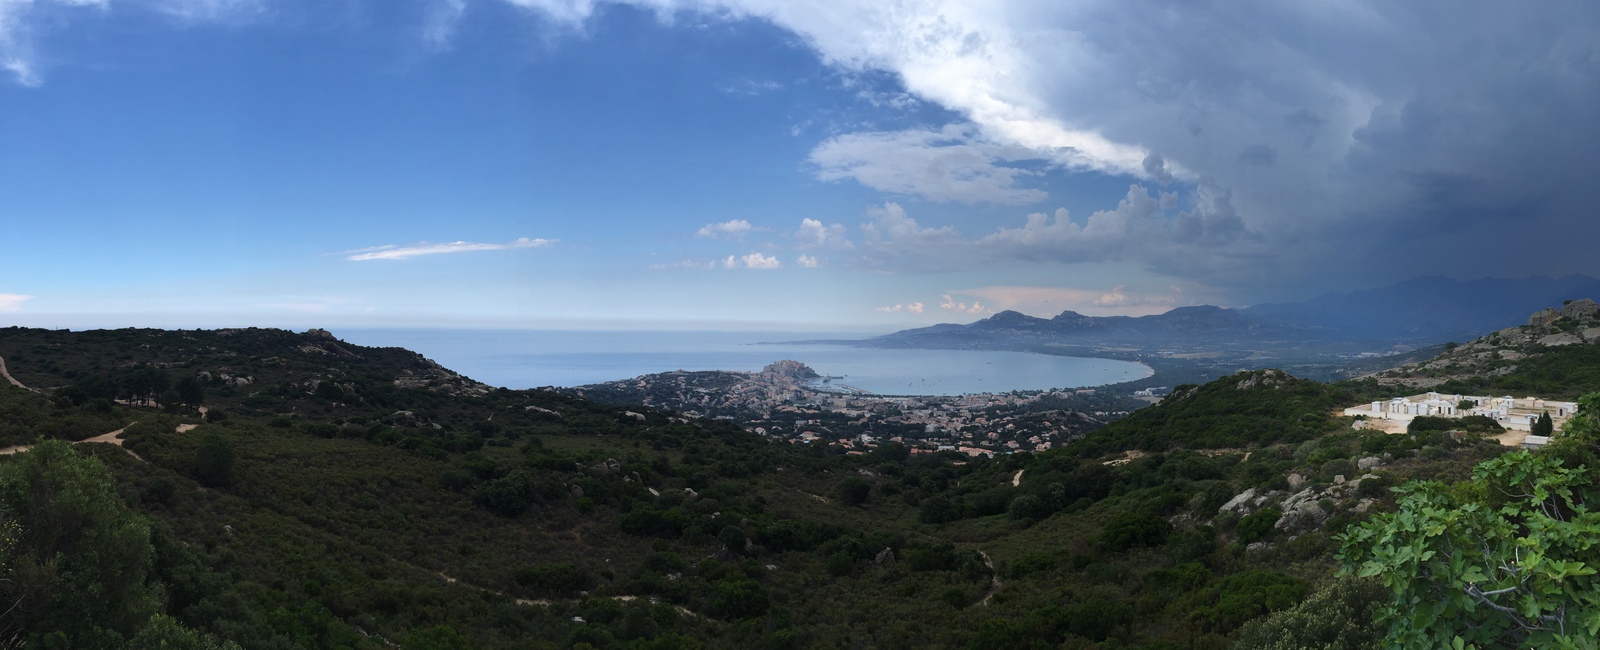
x=789 y=401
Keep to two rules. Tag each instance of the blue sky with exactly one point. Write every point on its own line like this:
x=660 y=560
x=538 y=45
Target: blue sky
x=744 y=163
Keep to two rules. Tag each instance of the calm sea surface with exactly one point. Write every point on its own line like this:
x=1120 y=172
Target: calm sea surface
x=532 y=358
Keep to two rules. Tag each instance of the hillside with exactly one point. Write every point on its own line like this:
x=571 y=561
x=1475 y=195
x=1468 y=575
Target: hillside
x=1555 y=354
x=349 y=497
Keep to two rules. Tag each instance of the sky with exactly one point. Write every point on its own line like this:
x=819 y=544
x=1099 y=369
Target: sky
x=750 y=164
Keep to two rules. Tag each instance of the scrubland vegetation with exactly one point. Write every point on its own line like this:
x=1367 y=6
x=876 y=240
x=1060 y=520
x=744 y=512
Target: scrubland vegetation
x=347 y=497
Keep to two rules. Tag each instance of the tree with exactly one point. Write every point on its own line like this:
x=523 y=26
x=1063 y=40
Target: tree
x=853 y=491
x=1505 y=560
x=214 y=461
x=190 y=392
x=76 y=561
x=1544 y=426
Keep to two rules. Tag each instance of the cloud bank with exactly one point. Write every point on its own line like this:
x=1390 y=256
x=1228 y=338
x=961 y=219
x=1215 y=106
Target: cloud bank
x=1329 y=142
x=1360 y=139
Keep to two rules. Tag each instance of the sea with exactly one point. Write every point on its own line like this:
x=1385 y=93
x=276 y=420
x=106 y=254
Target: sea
x=538 y=358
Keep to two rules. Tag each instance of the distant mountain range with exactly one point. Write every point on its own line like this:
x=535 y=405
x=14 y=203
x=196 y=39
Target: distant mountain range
x=1418 y=312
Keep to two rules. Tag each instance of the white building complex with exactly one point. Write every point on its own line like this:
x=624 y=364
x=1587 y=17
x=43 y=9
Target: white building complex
x=1512 y=413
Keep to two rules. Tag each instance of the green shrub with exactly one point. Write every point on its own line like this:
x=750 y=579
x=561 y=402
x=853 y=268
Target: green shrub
x=1257 y=526
x=1133 y=529
x=1340 y=616
x=853 y=491
x=214 y=461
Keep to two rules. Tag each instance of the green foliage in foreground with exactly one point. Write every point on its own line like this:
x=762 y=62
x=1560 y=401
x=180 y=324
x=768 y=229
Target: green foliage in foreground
x=1508 y=559
x=77 y=565
x=1335 y=618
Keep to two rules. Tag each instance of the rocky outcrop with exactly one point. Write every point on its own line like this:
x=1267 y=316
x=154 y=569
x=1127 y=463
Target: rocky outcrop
x=1580 y=309
x=1577 y=322
x=1250 y=501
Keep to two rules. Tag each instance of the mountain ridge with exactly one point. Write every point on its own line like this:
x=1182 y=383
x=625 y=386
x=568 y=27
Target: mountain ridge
x=1426 y=310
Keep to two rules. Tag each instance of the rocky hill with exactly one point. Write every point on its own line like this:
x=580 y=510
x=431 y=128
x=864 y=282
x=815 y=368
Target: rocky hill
x=1555 y=342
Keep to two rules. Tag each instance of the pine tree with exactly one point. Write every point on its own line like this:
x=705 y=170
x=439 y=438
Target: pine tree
x=1543 y=426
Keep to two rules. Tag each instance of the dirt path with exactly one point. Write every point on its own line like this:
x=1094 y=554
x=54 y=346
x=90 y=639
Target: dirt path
x=994 y=580
x=1016 y=479
x=7 y=374
x=113 y=438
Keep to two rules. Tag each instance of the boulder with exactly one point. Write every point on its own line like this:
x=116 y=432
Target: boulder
x=1580 y=309
x=1305 y=514
x=1239 y=502
x=1543 y=317
x=885 y=557
x=1369 y=463
x=1296 y=481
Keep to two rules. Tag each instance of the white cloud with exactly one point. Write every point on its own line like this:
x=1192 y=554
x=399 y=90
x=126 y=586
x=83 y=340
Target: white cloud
x=439 y=22
x=952 y=164
x=392 y=252
x=12 y=302
x=1142 y=228
x=20 y=19
x=813 y=234
x=914 y=307
x=732 y=229
x=686 y=264
x=806 y=261
x=888 y=228
x=951 y=305
x=752 y=261
x=208 y=11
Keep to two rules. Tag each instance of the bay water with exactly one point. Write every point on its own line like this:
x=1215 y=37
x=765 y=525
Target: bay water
x=536 y=358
